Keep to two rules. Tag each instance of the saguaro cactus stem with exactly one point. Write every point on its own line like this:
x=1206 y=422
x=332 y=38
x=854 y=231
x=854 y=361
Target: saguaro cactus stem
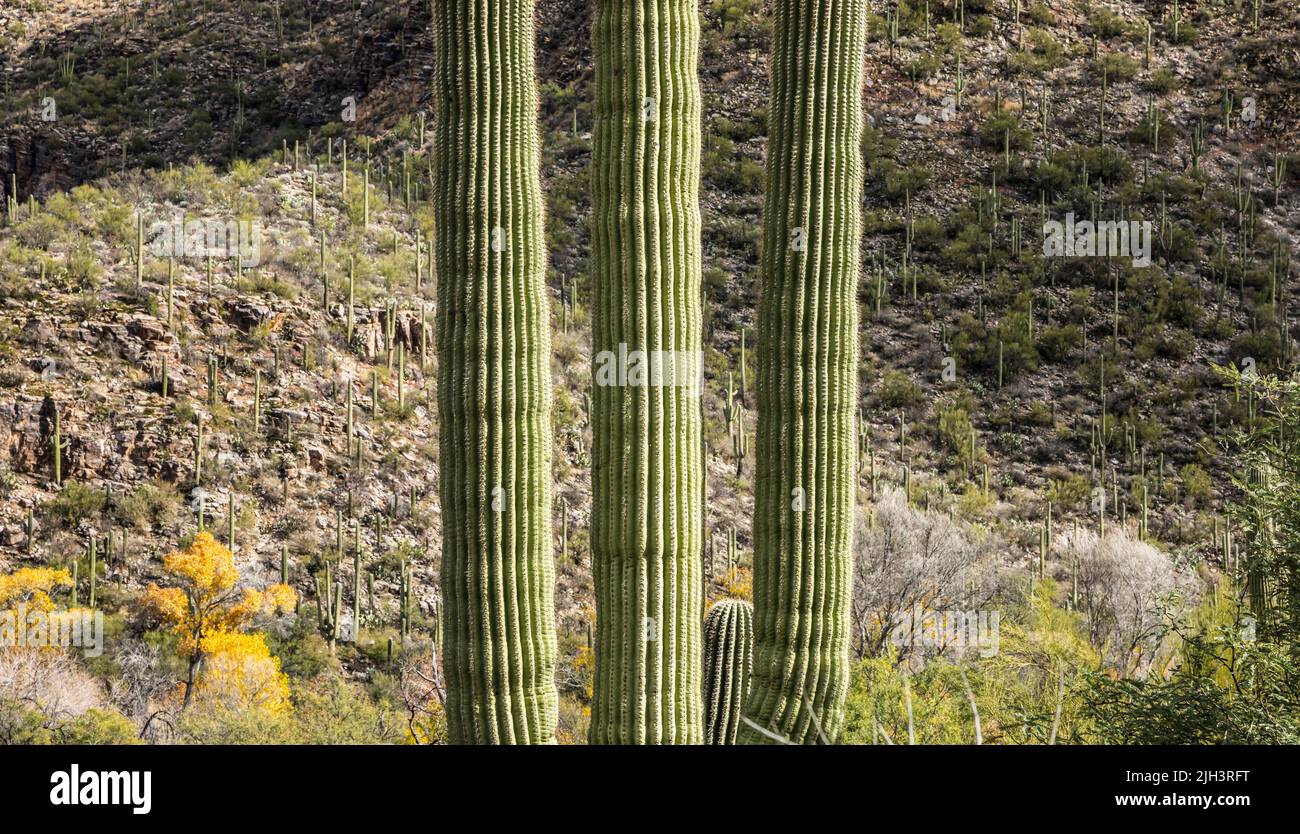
x=139 y=250
x=647 y=467
x=93 y=559
x=807 y=373
x=356 y=584
x=728 y=658
x=494 y=384
x=58 y=445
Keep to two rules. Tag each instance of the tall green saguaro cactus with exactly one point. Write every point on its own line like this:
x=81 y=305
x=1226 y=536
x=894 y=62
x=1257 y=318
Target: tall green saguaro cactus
x=807 y=373
x=728 y=659
x=494 y=382
x=647 y=468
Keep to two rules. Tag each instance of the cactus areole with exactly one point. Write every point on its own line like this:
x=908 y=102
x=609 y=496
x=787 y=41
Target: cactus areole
x=807 y=374
x=494 y=382
x=647 y=467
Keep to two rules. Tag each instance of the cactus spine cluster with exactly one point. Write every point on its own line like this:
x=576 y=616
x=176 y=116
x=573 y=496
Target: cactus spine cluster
x=647 y=467
x=807 y=373
x=494 y=385
x=728 y=658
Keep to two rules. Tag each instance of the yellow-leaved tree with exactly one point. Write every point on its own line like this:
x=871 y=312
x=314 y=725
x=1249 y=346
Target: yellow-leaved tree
x=32 y=586
x=228 y=668
x=29 y=588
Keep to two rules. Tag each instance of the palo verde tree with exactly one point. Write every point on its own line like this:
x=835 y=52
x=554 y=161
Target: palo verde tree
x=1268 y=513
x=1236 y=680
x=647 y=466
x=494 y=381
x=807 y=373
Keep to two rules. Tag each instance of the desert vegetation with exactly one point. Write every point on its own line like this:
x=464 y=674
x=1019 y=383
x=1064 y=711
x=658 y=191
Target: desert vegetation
x=326 y=421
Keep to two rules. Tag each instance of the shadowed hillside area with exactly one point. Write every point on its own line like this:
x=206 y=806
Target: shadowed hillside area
x=220 y=355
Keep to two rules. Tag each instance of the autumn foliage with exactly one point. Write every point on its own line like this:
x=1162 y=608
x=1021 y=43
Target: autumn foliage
x=228 y=668
x=33 y=587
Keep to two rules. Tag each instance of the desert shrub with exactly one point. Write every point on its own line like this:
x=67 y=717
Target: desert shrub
x=911 y=557
x=334 y=711
x=1042 y=53
x=1003 y=127
x=76 y=503
x=876 y=144
x=1116 y=67
x=244 y=173
x=1261 y=345
x=1196 y=483
x=41 y=691
x=81 y=268
x=303 y=653
x=955 y=432
x=1008 y=341
x=1040 y=13
x=149 y=506
x=899 y=390
x=742 y=18
x=1161 y=82
x=1228 y=686
x=1130 y=592
x=1187 y=33
x=897 y=182
x=1027 y=692
x=1106 y=24
x=726 y=169
x=1060 y=343
x=98 y=726
x=921 y=68
x=234 y=727
x=1069 y=493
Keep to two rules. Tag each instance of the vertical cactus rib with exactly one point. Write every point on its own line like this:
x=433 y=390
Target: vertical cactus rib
x=728 y=659
x=494 y=384
x=647 y=468
x=807 y=372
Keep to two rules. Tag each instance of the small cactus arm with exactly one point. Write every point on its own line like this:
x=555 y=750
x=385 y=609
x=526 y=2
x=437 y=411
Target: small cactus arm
x=728 y=658
x=494 y=382
x=647 y=467
x=807 y=373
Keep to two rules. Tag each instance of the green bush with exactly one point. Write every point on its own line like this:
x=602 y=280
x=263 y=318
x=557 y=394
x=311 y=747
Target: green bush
x=1196 y=483
x=97 y=726
x=1042 y=53
x=1000 y=128
x=77 y=502
x=1105 y=24
x=148 y=506
x=1060 y=343
x=898 y=390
